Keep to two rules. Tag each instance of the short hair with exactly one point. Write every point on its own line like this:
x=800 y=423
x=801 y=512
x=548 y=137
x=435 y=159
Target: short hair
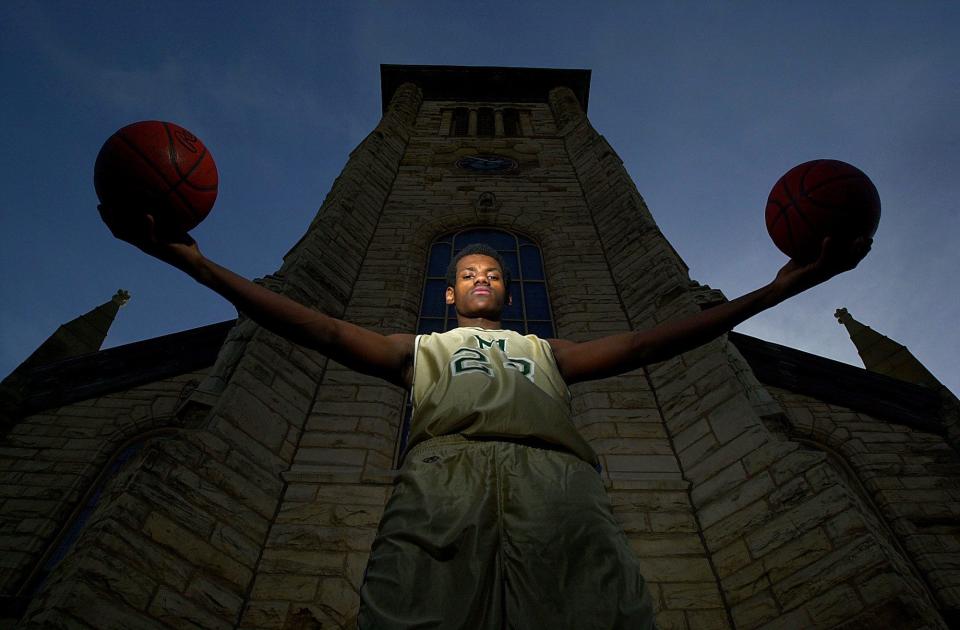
x=483 y=250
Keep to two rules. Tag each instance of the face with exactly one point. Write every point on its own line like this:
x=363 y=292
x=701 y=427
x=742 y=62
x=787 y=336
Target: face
x=479 y=291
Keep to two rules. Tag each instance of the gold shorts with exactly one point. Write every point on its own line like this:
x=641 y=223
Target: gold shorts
x=491 y=534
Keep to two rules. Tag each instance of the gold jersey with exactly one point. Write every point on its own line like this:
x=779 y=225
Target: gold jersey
x=491 y=384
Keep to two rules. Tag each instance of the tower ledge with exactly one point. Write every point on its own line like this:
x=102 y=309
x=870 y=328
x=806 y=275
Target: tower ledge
x=483 y=83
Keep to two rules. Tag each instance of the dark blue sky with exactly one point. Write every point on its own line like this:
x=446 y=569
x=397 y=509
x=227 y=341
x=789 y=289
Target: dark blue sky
x=707 y=104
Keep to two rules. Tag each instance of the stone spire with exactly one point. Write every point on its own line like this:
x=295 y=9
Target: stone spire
x=883 y=355
x=82 y=335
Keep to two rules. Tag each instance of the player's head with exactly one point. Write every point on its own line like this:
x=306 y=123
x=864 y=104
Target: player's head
x=478 y=282
x=483 y=250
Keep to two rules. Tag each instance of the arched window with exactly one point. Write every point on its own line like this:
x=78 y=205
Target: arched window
x=528 y=314
x=511 y=122
x=485 y=122
x=65 y=541
x=461 y=121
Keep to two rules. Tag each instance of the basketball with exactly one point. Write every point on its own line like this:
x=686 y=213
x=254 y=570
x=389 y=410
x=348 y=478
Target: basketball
x=157 y=168
x=818 y=199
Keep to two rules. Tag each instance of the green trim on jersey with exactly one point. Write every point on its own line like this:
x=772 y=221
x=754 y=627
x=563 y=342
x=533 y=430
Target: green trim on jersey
x=491 y=384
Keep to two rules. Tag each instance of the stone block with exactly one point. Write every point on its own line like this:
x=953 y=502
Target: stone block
x=733 y=527
x=833 y=607
x=641 y=428
x=797 y=554
x=727 y=454
x=199 y=552
x=791 y=493
x=714 y=487
x=633 y=523
x=843 y=564
x=678 y=569
x=795 y=619
x=755 y=611
x=671 y=620
x=113 y=575
x=356 y=494
x=672 y=522
x=338 y=594
x=259 y=615
x=235 y=544
x=797 y=521
x=691 y=596
x=650 y=501
x=708 y=619
x=746 y=582
x=226 y=431
x=691 y=434
x=312 y=538
x=176 y=610
x=347 y=457
x=733 y=500
x=140 y=554
x=223 y=601
x=662 y=545
x=631 y=446
x=642 y=463
x=285 y=586
x=731 y=418
x=296 y=561
x=154 y=492
x=257 y=419
x=93 y=609
x=212 y=499
x=731 y=558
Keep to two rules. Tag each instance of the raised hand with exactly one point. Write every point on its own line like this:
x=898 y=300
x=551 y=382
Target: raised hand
x=175 y=247
x=836 y=257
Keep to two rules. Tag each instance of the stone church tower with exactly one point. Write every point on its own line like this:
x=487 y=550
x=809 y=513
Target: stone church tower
x=225 y=478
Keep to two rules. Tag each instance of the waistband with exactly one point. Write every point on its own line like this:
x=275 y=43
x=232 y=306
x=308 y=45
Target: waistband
x=459 y=438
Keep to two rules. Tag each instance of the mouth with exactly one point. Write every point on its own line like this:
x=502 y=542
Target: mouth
x=481 y=291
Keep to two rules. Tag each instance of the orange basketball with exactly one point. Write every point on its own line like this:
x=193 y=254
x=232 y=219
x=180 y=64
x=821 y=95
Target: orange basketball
x=818 y=199
x=158 y=168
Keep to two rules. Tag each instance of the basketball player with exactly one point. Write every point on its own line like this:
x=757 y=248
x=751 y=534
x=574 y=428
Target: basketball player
x=498 y=517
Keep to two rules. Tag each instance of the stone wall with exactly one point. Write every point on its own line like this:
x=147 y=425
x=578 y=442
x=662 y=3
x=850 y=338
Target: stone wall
x=907 y=482
x=49 y=462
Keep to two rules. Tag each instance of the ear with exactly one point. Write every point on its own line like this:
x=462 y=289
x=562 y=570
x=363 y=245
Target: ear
x=449 y=295
x=509 y=300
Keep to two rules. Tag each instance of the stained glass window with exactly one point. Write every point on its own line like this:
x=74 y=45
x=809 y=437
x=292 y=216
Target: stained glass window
x=511 y=122
x=485 y=122
x=461 y=121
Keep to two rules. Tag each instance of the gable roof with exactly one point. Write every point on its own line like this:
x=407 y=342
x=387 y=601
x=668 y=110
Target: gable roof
x=123 y=367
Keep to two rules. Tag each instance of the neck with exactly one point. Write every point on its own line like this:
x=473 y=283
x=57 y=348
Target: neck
x=478 y=322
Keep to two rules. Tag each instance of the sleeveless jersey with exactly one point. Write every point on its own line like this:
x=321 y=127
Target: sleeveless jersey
x=491 y=384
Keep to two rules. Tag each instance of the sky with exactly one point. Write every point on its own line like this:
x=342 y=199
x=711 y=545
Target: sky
x=707 y=104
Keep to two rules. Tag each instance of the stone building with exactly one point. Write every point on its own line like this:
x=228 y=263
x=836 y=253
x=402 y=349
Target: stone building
x=224 y=478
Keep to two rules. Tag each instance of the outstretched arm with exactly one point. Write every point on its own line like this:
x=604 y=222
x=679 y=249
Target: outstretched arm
x=621 y=353
x=388 y=357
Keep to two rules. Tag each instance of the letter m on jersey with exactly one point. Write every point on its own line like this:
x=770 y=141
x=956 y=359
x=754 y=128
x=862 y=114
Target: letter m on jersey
x=489 y=343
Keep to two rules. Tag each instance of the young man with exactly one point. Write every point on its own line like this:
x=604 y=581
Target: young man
x=498 y=517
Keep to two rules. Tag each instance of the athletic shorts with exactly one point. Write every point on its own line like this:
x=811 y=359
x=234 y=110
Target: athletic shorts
x=489 y=534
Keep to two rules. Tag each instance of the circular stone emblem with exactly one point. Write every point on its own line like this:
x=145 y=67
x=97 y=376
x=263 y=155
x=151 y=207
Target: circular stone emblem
x=487 y=163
